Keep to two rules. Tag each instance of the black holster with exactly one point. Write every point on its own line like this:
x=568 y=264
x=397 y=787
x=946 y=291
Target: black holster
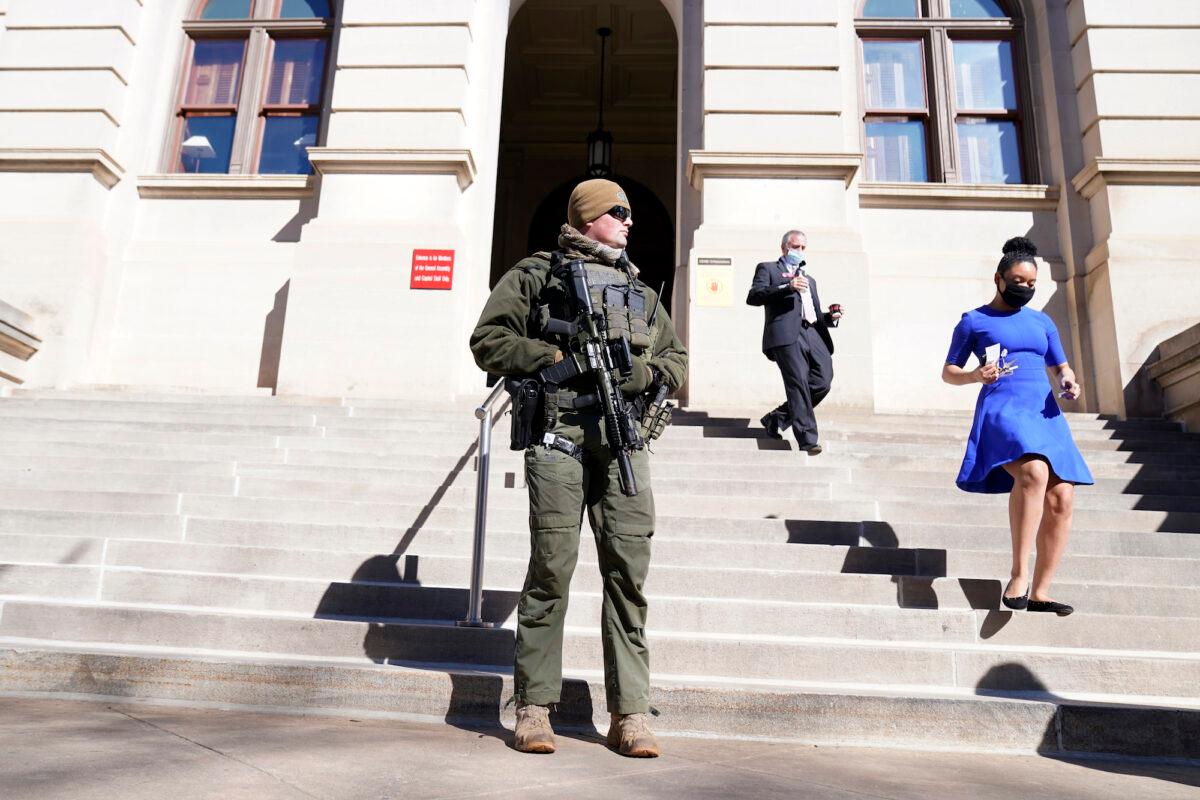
x=527 y=412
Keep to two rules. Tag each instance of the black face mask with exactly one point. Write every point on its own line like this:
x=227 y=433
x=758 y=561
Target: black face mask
x=1016 y=296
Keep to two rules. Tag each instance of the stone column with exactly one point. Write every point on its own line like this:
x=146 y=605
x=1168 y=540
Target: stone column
x=1137 y=74
x=409 y=165
x=64 y=75
x=781 y=147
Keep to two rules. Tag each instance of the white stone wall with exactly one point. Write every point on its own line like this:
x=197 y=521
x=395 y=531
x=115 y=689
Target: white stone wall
x=139 y=278
x=65 y=70
x=1137 y=74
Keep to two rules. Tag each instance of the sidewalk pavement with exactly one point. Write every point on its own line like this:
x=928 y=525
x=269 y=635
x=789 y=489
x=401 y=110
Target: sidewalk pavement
x=138 y=751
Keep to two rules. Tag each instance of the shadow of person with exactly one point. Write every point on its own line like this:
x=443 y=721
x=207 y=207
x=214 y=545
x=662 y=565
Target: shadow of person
x=475 y=703
x=574 y=716
x=1106 y=736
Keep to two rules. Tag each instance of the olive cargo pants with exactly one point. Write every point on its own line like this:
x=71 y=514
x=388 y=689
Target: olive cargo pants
x=559 y=489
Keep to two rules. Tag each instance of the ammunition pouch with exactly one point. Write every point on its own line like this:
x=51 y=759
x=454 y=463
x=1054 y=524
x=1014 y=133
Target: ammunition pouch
x=656 y=416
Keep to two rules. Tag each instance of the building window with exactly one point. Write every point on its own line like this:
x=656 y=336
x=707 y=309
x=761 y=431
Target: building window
x=944 y=94
x=252 y=87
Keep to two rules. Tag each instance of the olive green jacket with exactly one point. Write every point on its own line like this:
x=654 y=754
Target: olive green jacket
x=502 y=343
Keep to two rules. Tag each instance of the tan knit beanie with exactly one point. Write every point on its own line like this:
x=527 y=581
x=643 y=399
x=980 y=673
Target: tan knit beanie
x=592 y=199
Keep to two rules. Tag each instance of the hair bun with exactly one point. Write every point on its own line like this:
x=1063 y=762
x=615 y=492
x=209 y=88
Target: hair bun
x=1019 y=244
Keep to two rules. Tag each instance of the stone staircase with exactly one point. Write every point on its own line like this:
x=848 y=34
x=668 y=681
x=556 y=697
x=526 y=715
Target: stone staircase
x=314 y=554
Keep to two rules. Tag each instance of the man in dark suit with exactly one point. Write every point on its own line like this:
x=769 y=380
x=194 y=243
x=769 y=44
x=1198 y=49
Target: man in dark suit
x=796 y=337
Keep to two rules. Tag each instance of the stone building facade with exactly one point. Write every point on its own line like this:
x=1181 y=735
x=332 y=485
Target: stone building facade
x=313 y=197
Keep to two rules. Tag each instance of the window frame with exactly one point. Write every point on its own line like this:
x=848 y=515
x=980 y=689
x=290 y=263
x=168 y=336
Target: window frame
x=260 y=30
x=939 y=32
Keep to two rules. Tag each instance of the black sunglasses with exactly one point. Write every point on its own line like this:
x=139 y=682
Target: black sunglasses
x=620 y=213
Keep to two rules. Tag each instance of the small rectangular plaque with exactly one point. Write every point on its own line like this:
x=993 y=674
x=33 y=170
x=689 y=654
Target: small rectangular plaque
x=714 y=284
x=432 y=269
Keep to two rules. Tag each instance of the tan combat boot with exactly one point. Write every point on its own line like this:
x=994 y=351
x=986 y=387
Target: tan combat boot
x=533 y=733
x=630 y=735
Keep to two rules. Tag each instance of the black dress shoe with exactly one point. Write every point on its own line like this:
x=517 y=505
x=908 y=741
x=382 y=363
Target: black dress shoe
x=771 y=423
x=1015 y=603
x=811 y=449
x=1062 y=609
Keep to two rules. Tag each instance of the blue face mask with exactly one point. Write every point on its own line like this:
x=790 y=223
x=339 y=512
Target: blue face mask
x=793 y=258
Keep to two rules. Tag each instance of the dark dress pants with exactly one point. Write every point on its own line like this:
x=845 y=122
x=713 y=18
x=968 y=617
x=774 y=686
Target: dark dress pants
x=807 y=370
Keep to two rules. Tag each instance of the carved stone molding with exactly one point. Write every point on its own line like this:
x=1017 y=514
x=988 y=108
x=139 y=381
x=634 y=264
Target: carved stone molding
x=103 y=167
x=710 y=164
x=191 y=185
x=1136 y=171
x=1177 y=373
x=958 y=195
x=16 y=338
x=459 y=162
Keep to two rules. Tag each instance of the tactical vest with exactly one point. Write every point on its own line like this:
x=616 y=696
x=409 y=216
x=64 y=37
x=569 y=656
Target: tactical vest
x=624 y=304
x=626 y=307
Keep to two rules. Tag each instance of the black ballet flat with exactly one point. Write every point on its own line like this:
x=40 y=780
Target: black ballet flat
x=1017 y=603
x=1062 y=609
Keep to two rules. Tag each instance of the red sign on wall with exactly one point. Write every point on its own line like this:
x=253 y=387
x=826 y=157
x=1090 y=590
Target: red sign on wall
x=432 y=269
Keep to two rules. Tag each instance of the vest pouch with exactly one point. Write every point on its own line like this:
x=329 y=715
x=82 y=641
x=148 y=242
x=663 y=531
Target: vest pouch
x=639 y=325
x=616 y=312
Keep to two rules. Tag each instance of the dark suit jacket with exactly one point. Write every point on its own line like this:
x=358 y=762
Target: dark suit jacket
x=782 y=305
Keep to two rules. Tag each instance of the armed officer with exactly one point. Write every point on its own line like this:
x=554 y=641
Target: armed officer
x=570 y=466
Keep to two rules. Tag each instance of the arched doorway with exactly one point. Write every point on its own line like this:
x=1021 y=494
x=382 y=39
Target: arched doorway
x=551 y=82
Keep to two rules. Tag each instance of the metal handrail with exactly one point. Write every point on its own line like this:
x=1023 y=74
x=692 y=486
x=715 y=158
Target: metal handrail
x=486 y=416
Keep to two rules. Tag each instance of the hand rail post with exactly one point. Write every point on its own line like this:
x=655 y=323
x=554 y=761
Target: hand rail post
x=475 y=602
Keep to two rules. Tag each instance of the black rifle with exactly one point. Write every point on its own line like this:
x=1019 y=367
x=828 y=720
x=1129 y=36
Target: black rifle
x=610 y=362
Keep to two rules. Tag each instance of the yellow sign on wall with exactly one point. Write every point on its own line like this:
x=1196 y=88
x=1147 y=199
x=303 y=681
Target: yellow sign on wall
x=714 y=284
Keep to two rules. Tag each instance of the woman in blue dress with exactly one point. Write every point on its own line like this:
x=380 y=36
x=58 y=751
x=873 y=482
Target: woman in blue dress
x=1020 y=442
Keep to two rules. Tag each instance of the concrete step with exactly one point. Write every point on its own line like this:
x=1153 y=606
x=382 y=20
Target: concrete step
x=59 y=427
x=363 y=407
x=840 y=429
x=32 y=548
x=32 y=499
x=694 y=464
x=39 y=414
x=106 y=481
x=738 y=439
x=739 y=417
x=792 y=711
x=100 y=464
x=130 y=395
x=1166 y=450
x=1078 y=565
x=99 y=449
x=461 y=491
x=509 y=512
x=745 y=481
x=56 y=581
x=173 y=440
x=110 y=524
x=866 y=535
x=712 y=613
x=789 y=573
x=908 y=578
x=700 y=493
x=776 y=658
x=731 y=450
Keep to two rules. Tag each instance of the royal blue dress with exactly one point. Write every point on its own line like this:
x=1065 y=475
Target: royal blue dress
x=1018 y=414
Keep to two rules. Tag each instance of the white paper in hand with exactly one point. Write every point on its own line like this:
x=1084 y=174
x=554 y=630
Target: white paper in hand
x=991 y=354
